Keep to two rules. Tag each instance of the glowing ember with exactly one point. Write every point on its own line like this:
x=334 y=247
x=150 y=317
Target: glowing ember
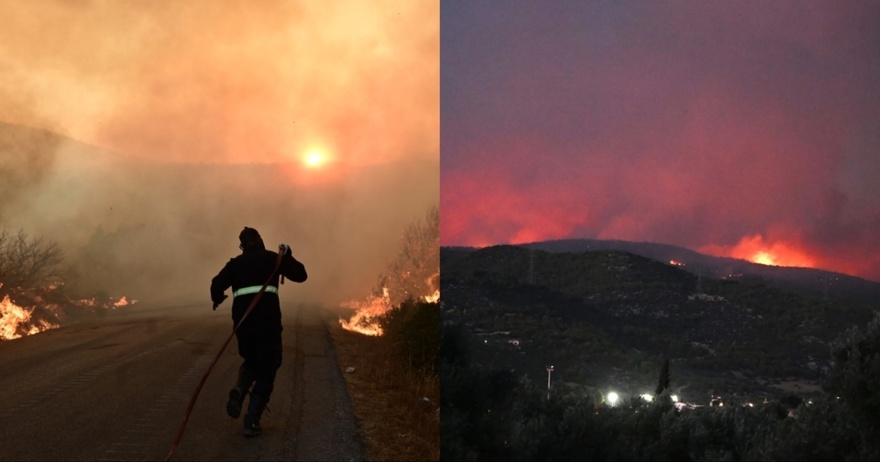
x=364 y=320
x=124 y=302
x=433 y=298
x=15 y=320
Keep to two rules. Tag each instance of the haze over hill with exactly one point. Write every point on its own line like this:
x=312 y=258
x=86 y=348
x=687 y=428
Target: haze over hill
x=161 y=230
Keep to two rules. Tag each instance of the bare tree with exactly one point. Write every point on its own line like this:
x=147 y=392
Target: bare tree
x=415 y=269
x=27 y=262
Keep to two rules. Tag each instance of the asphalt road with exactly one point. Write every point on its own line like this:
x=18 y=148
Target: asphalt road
x=117 y=388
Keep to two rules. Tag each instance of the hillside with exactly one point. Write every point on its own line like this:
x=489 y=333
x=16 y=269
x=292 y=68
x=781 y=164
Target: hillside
x=805 y=281
x=606 y=319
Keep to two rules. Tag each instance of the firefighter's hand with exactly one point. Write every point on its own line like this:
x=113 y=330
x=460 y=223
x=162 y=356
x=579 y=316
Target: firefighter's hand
x=216 y=304
x=284 y=249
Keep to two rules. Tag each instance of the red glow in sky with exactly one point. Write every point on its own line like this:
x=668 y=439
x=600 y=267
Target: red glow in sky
x=731 y=128
x=756 y=250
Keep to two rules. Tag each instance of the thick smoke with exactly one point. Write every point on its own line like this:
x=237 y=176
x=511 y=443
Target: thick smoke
x=160 y=231
x=143 y=136
x=227 y=81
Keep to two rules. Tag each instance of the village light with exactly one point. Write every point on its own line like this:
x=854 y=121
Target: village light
x=612 y=398
x=647 y=397
x=674 y=398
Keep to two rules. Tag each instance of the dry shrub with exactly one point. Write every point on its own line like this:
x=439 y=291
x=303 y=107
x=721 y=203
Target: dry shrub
x=397 y=407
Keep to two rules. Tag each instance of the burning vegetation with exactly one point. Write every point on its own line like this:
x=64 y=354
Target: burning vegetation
x=16 y=321
x=414 y=274
x=33 y=311
x=32 y=296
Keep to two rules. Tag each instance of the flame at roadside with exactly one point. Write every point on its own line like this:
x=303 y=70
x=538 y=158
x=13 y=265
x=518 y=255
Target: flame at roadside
x=124 y=302
x=433 y=298
x=16 y=321
x=413 y=274
x=365 y=319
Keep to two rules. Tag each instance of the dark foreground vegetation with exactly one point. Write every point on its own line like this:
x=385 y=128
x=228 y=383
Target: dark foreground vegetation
x=492 y=414
x=797 y=379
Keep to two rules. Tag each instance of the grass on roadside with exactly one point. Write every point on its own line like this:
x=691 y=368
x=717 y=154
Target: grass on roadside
x=397 y=409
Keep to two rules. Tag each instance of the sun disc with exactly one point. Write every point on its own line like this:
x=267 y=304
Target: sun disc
x=314 y=159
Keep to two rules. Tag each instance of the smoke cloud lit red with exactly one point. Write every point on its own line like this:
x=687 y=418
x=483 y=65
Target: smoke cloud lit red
x=735 y=130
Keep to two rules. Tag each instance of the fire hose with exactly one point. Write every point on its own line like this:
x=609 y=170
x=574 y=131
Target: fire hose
x=282 y=249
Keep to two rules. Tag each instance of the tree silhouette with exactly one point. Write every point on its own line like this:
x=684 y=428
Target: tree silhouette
x=27 y=262
x=663 y=383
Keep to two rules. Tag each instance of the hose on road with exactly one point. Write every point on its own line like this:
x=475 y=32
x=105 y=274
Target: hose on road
x=198 y=389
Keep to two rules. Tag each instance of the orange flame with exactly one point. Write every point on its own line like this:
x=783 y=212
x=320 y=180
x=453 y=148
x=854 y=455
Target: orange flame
x=756 y=250
x=433 y=298
x=15 y=319
x=124 y=302
x=87 y=302
x=364 y=320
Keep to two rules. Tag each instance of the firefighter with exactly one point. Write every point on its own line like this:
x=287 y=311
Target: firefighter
x=259 y=336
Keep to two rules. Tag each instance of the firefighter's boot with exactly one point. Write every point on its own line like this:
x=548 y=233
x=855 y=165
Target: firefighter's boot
x=237 y=394
x=254 y=412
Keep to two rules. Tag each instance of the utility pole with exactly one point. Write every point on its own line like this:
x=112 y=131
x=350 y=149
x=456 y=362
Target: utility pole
x=549 y=371
x=825 y=288
x=532 y=267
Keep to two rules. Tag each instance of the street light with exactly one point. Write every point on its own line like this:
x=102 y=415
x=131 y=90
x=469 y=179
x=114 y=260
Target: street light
x=549 y=371
x=612 y=398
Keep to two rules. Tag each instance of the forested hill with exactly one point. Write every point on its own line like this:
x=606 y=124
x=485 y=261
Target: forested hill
x=610 y=317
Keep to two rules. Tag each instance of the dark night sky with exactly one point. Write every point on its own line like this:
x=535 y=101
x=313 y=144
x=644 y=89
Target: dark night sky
x=746 y=129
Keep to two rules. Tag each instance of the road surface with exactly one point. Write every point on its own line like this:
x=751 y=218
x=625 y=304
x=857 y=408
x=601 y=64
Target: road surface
x=117 y=388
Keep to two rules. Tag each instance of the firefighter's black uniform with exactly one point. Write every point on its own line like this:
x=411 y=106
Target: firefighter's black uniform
x=259 y=336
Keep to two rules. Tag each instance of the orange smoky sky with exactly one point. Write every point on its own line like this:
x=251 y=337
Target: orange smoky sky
x=733 y=128
x=227 y=81
x=142 y=136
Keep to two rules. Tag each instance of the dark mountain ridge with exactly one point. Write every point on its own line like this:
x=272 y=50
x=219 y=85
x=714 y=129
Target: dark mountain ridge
x=806 y=281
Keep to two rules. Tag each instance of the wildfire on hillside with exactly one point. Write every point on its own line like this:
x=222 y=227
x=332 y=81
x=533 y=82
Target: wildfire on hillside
x=757 y=249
